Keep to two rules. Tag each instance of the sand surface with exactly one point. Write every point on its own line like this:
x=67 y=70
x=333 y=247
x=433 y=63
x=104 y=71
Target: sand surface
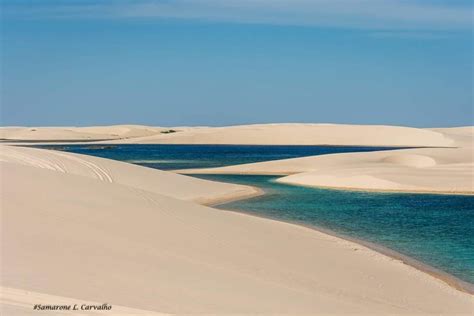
x=257 y=134
x=303 y=134
x=86 y=229
x=438 y=170
x=78 y=133
x=112 y=171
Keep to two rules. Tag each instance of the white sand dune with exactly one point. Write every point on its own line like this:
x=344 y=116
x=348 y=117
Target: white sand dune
x=153 y=180
x=69 y=232
x=78 y=133
x=461 y=131
x=258 y=134
x=302 y=134
x=439 y=170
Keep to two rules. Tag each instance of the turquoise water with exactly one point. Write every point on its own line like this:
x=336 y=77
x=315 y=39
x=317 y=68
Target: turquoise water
x=435 y=229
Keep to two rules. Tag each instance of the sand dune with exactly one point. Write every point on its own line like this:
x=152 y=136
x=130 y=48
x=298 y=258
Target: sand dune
x=438 y=170
x=112 y=171
x=70 y=232
x=258 y=134
x=303 y=134
x=77 y=133
x=461 y=131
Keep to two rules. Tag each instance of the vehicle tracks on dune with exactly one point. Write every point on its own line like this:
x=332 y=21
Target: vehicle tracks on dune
x=99 y=172
x=13 y=156
x=56 y=161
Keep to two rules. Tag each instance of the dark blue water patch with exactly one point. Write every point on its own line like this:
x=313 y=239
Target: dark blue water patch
x=435 y=229
x=170 y=157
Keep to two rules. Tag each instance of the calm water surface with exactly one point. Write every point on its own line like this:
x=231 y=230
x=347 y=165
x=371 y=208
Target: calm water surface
x=435 y=229
x=169 y=157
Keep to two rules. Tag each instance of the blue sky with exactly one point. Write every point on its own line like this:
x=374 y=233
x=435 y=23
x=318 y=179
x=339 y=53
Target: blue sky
x=209 y=62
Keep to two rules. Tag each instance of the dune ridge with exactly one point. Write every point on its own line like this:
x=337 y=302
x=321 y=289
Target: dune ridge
x=254 y=134
x=428 y=170
x=154 y=249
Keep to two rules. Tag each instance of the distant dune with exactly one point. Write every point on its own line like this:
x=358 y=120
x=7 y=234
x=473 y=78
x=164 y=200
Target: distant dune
x=437 y=170
x=445 y=169
x=304 y=134
x=77 y=133
x=258 y=134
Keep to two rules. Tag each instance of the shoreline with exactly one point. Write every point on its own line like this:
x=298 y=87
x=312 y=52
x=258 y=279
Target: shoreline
x=436 y=273
x=231 y=197
x=284 y=174
x=449 y=279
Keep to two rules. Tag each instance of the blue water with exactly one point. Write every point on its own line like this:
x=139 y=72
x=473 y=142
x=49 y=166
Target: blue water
x=435 y=229
x=169 y=157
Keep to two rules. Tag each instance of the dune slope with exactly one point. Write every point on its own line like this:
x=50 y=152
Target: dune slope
x=107 y=170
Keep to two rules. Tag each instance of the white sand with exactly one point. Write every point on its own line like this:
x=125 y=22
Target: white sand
x=78 y=133
x=302 y=134
x=264 y=134
x=70 y=232
x=153 y=180
x=439 y=170
x=22 y=302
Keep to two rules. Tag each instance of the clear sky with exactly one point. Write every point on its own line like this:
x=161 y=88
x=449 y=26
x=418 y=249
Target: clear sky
x=223 y=62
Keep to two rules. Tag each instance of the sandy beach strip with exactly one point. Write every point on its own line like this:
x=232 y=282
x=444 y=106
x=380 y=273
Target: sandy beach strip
x=68 y=231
